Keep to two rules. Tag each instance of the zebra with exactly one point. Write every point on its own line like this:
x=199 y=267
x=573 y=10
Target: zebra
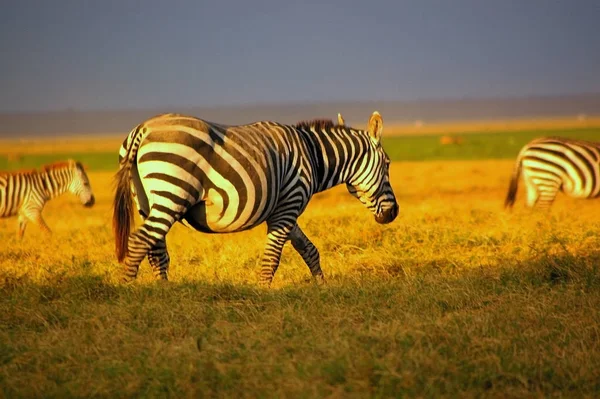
x=551 y=164
x=221 y=179
x=25 y=193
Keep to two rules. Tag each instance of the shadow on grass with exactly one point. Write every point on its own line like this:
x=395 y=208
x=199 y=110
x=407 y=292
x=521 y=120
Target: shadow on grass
x=541 y=269
x=209 y=335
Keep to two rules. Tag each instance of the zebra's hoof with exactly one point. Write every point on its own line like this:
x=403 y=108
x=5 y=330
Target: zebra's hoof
x=320 y=279
x=127 y=279
x=264 y=283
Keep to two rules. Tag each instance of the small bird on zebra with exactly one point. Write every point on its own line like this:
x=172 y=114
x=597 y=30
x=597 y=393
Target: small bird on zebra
x=221 y=179
x=25 y=193
x=553 y=164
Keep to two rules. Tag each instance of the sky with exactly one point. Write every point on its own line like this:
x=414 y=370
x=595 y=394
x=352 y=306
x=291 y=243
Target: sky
x=111 y=54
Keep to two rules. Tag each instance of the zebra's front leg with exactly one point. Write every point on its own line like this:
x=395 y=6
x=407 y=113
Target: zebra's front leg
x=159 y=259
x=39 y=220
x=34 y=215
x=21 y=227
x=277 y=235
x=308 y=251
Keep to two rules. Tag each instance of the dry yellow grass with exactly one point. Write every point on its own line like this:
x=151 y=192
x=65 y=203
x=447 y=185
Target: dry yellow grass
x=446 y=196
x=455 y=298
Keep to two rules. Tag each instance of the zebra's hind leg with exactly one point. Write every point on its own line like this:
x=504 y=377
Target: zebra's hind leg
x=541 y=193
x=548 y=194
x=159 y=259
x=277 y=235
x=308 y=251
x=147 y=237
x=533 y=193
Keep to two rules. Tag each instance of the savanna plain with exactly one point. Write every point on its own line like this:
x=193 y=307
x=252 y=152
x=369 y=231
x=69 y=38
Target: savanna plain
x=456 y=297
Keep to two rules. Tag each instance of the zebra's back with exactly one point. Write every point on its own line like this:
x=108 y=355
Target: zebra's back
x=574 y=164
x=229 y=177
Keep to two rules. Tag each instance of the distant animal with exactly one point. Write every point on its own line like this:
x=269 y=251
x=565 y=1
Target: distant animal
x=449 y=140
x=14 y=157
x=24 y=193
x=553 y=164
x=222 y=179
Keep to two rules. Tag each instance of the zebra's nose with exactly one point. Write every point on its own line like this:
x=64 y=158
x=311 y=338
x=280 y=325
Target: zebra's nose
x=91 y=202
x=388 y=215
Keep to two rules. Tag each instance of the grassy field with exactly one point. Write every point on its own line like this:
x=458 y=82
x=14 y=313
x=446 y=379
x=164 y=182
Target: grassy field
x=455 y=298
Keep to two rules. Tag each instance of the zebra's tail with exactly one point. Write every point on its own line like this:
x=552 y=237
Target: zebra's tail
x=514 y=184
x=123 y=201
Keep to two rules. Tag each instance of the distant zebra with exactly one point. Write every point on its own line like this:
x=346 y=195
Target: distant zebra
x=25 y=193
x=222 y=179
x=551 y=164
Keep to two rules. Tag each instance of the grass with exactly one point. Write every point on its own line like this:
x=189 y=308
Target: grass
x=455 y=298
x=100 y=154
x=475 y=145
x=95 y=161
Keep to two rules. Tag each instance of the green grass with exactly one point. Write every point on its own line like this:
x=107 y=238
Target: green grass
x=509 y=331
x=405 y=148
x=475 y=146
x=94 y=161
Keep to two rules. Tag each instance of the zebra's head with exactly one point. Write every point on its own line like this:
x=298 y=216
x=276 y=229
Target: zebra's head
x=80 y=185
x=370 y=179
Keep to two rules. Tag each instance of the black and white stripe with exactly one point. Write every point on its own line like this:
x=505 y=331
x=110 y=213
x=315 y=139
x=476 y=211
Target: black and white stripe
x=222 y=179
x=24 y=194
x=553 y=164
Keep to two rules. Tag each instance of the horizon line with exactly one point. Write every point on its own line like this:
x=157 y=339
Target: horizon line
x=245 y=105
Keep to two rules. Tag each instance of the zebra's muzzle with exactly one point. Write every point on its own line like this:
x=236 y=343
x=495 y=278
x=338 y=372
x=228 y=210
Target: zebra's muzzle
x=90 y=203
x=388 y=215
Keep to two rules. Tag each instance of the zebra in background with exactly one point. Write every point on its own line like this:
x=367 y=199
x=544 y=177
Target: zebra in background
x=551 y=164
x=223 y=179
x=25 y=193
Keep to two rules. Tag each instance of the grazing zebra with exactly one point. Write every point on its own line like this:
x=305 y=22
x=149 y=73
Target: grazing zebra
x=222 y=179
x=25 y=193
x=550 y=164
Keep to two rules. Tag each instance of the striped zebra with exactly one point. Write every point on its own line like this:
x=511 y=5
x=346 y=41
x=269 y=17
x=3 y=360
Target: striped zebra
x=25 y=193
x=223 y=179
x=553 y=164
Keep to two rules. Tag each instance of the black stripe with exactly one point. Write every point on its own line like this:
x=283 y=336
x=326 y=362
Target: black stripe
x=175 y=181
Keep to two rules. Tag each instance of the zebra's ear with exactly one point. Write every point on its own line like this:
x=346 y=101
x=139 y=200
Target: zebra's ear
x=341 y=121
x=375 y=127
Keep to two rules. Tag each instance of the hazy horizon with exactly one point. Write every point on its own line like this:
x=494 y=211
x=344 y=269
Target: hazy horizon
x=28 y=124
x=112 y=55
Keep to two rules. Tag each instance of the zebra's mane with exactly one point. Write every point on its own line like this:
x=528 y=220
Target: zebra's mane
x=44 y=168
x=316 y=124
x=58 y=165
x=19 y=172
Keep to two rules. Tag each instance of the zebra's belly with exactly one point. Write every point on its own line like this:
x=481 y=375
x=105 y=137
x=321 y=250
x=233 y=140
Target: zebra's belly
x=207 y=218
x=6 y=209
x=4 y=213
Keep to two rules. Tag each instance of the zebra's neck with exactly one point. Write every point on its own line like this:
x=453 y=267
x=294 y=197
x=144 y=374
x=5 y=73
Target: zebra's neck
x=336 y=153
x=55 y=182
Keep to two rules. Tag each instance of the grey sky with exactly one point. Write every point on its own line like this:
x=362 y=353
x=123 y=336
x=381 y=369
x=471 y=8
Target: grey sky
x=111 y=54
